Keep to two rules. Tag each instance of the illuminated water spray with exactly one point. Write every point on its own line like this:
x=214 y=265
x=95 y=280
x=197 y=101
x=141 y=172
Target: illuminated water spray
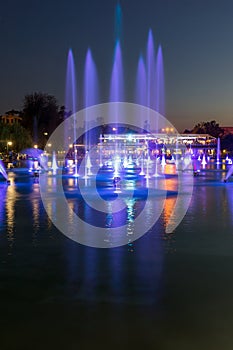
x=90 y=98
x=71 y=104
x=150 y=71
x=218 y=150
x=116 y=95
x=3 y=170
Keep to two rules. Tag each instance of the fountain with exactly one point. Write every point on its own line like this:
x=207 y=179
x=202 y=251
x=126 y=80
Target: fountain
x=116 y=92
x=163 y=161
x=229 y=173
x=203 y=162
x=90 y=99
x=218 y=151
x=54 y=163
x=3 y=171
x=88 y=166
x=149 y=93
x=71 y=99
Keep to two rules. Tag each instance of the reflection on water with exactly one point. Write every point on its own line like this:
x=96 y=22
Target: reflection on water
x=3 y=190
x=176 y=278
x=10 y=213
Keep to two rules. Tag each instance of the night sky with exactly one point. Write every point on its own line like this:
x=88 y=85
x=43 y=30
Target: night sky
x=196 y=37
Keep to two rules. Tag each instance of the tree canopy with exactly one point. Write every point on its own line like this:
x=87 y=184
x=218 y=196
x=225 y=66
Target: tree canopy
x=227 y=143
x=210 y=127
x=16 y=133
x=40 y=114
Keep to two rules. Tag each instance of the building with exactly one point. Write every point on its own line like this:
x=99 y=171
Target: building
x=227 y=130
x=157 y=143
x=11 y=117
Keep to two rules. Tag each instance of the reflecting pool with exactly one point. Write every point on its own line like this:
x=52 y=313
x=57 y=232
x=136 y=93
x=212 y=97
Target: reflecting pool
x=161 y=291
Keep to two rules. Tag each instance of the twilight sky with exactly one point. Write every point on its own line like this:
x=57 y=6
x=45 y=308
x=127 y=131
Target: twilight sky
x=196 y=37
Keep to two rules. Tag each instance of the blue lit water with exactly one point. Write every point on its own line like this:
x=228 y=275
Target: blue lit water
x=163 y=291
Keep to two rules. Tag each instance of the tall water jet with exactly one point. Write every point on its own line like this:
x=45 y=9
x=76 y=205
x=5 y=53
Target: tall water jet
x=163 y=160
x=159 y=93
x=71 y=104
x=117 y=77
x=218 y=151
x=203 y=162
x=150 y=66
x=141 y=87
x=54 y=162
x=90 y=99
x=116 y=89
x=160 y=104
x=150 y=70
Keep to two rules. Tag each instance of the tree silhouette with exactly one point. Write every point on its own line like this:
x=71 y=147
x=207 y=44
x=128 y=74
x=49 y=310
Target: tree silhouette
x=212 y=128
x=40 y=114
x=16 y=133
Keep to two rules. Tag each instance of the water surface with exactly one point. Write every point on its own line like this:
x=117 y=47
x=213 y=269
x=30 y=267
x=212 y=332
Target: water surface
x=160 y=292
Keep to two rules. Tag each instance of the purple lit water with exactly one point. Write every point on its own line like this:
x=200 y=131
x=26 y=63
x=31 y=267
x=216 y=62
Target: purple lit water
x=91 y=92
x=141 y=95
x=3 y=170
x=117 y=77
x=150 y=69
x=71 y=104
x=141 y=86
x=71 y=85
x=218 y=151
x=162 y=290
x=91 y=88
x=160 y=104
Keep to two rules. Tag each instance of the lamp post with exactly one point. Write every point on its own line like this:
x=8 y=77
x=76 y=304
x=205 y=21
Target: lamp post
x=9 y=143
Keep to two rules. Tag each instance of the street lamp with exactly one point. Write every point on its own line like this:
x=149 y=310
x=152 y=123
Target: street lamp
x=9 y=143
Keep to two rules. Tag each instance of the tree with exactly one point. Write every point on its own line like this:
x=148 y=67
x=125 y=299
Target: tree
x=227 y=143
x=212 y=128
x=17 y=134
x=40 y=115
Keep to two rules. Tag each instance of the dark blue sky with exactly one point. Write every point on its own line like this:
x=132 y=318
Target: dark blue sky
x=196 y=37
